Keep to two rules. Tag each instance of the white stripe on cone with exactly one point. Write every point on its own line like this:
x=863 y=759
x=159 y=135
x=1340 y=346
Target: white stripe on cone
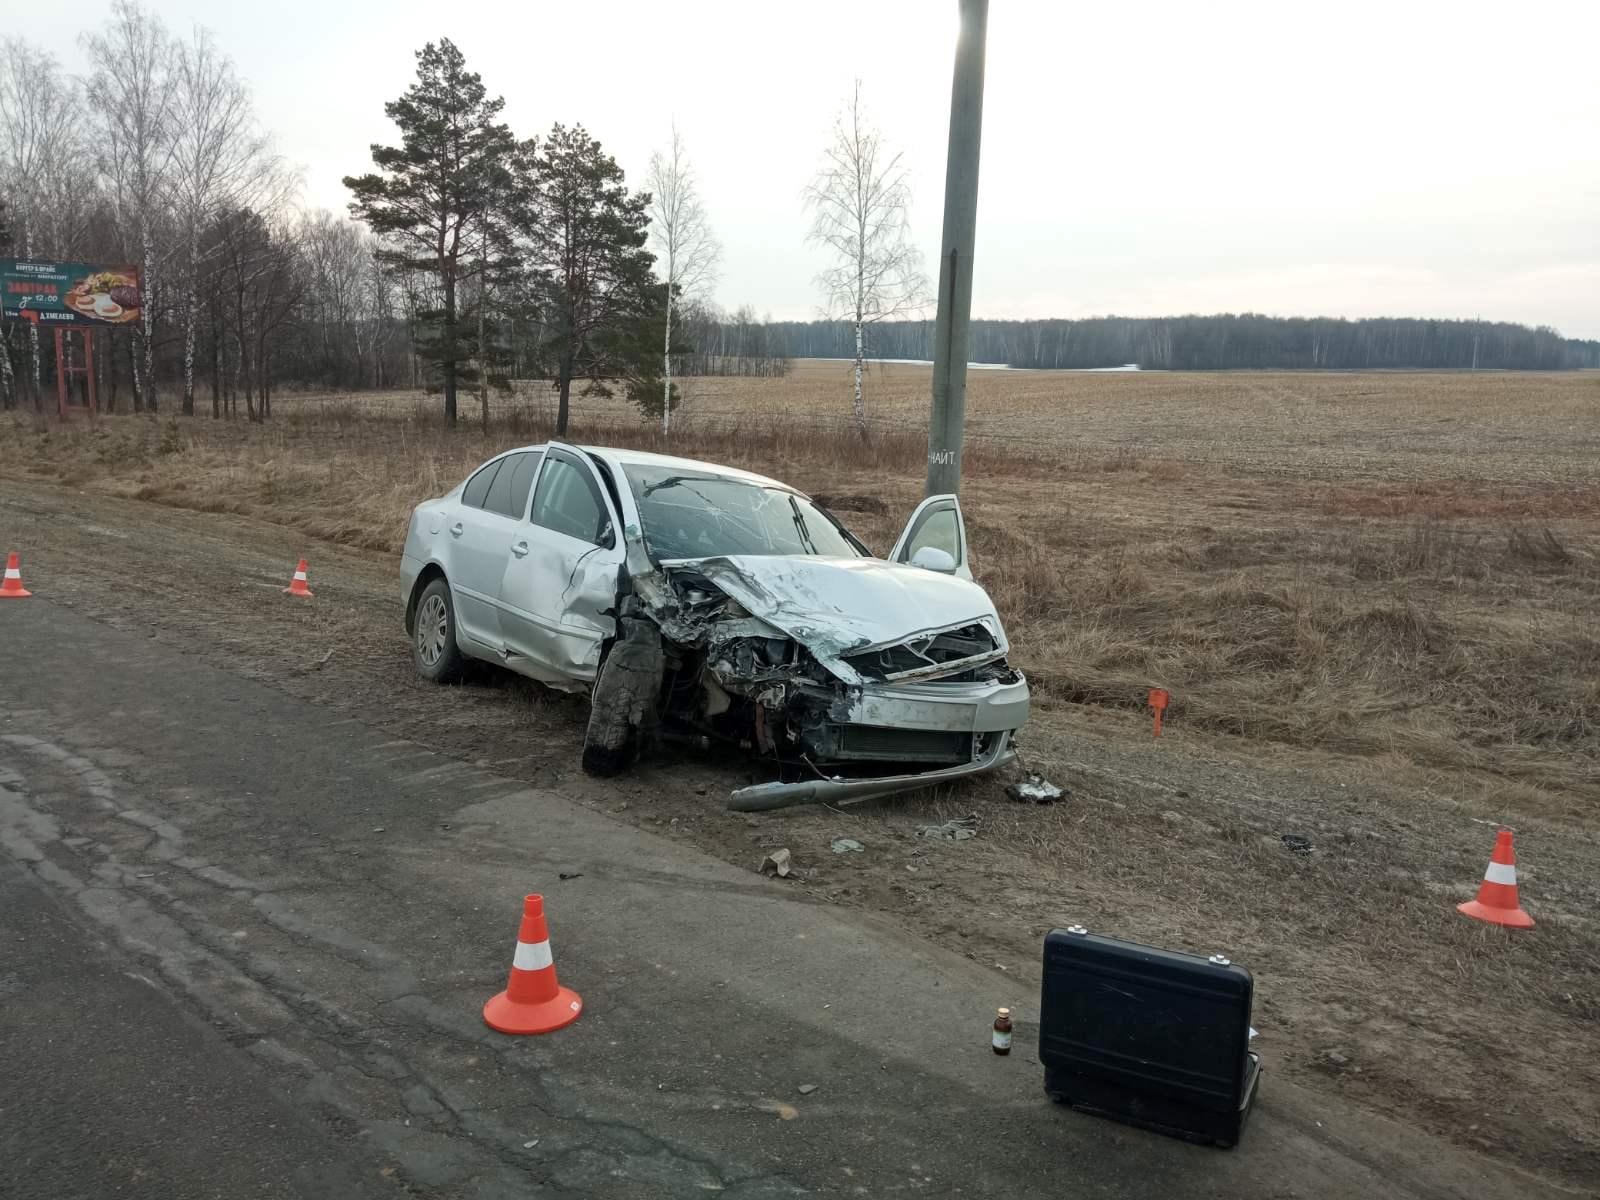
x=1501 y=873
x=300 y=576
x=532 y=956
x=13 y=573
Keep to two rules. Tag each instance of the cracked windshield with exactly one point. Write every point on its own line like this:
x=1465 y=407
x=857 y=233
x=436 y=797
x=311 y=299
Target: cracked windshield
x=702 y=516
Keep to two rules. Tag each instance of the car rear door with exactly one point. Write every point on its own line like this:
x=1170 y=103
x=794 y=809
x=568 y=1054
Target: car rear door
x=475 y=546
x=559 y=584
x=936 y=523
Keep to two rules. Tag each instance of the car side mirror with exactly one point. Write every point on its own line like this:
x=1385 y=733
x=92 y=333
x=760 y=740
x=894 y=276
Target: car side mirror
x=931 y=558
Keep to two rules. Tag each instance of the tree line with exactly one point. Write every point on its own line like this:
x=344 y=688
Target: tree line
x=156 y=158
x=470 y=257
x=1220 y=342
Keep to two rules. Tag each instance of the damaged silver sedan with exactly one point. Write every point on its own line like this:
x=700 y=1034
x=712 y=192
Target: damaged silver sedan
x=707 y=604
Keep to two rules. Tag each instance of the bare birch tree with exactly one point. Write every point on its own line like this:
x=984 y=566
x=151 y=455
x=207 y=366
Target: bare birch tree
x=861 y=202
x=687 y=252
x=70 y=200
x=339 y=256
x=133 y=94
x=377 y=310
x=37 y=112
x=218 y=161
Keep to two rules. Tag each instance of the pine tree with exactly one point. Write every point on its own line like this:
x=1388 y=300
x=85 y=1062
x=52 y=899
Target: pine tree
x=585 y=237
x=436 y=202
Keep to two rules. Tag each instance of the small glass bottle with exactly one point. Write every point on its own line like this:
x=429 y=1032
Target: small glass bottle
x=1002 y=1032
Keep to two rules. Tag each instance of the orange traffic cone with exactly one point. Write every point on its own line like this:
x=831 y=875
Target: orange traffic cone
x=12 y=588
x=1497 y=900
x=297 y=585
x=533 y=1001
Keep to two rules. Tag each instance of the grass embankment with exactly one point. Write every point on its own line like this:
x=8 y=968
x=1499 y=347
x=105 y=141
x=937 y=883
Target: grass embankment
x=1432 y=595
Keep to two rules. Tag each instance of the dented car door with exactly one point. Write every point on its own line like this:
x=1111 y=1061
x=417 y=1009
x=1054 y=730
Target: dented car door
x=935 y=525
x=559 y=586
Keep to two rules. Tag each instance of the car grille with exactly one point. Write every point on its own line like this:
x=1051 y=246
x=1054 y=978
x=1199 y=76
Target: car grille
x=904 y=745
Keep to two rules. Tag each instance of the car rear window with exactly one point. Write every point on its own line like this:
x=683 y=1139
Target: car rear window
x=478 y=486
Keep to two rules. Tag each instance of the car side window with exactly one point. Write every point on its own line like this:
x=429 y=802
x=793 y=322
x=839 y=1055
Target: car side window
x=937 y=528
x=568 y=501
x=478 y=486
x=508 y=494
x=522 y=482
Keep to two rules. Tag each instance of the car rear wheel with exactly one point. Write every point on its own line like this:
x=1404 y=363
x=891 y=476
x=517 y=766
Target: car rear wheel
x=433 y=635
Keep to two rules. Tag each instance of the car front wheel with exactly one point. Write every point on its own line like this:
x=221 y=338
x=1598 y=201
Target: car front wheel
x=433 y=635
x=623 y=703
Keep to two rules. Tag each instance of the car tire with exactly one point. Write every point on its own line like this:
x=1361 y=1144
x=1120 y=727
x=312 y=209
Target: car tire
x=433 y=635
x=623 y=705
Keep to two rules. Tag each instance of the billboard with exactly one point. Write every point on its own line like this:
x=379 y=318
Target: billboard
x=63 y=294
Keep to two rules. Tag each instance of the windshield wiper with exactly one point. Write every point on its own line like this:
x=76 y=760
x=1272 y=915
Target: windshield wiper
x=800 y=527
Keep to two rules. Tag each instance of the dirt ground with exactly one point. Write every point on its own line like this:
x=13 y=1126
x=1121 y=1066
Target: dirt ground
x=1368 y=982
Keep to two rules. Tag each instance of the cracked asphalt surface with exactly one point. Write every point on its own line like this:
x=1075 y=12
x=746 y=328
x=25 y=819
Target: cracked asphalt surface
x=246 y=938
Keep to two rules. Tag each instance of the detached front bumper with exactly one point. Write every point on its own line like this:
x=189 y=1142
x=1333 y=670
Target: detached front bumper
x=838 y=790
x=989 y=713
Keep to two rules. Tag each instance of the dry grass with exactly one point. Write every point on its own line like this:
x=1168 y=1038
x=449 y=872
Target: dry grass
x=1247 y=541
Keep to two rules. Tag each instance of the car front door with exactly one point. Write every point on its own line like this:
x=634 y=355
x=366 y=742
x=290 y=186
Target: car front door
x=559 y=585
x=935 y=524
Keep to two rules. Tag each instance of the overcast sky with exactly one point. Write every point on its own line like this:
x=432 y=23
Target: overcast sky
x=1398 y=158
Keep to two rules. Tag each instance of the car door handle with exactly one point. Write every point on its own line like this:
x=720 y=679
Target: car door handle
x=519 y=548
x=457 y=529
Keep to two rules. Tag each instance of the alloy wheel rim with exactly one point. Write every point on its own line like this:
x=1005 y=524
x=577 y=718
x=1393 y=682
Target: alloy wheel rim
x=432 y=626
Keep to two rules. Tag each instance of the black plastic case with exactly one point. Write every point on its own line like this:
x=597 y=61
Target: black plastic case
x=1152 y=1037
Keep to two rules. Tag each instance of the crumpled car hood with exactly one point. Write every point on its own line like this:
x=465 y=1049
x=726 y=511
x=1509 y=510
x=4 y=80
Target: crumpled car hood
x=835 y=606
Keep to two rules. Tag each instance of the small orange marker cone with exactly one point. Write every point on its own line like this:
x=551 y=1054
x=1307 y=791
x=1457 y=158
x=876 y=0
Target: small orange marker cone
x=533 y=1001
x=12 y=588
x=297 y=585
x=1158 y=701
x=1497 y=900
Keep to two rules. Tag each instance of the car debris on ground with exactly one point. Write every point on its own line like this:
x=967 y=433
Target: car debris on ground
x=1034 y=788
x=776 y=864
x=956 y=829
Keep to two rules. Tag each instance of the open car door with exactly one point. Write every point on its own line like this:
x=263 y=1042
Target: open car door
x=935 y=537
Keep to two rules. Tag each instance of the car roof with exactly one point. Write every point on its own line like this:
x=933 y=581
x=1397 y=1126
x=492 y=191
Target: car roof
x=645 y=458
x=623 y=458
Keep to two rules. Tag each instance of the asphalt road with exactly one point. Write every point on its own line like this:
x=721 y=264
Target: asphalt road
x=246 y=941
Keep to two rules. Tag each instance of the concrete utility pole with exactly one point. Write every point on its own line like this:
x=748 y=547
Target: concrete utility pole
x=948 y=418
